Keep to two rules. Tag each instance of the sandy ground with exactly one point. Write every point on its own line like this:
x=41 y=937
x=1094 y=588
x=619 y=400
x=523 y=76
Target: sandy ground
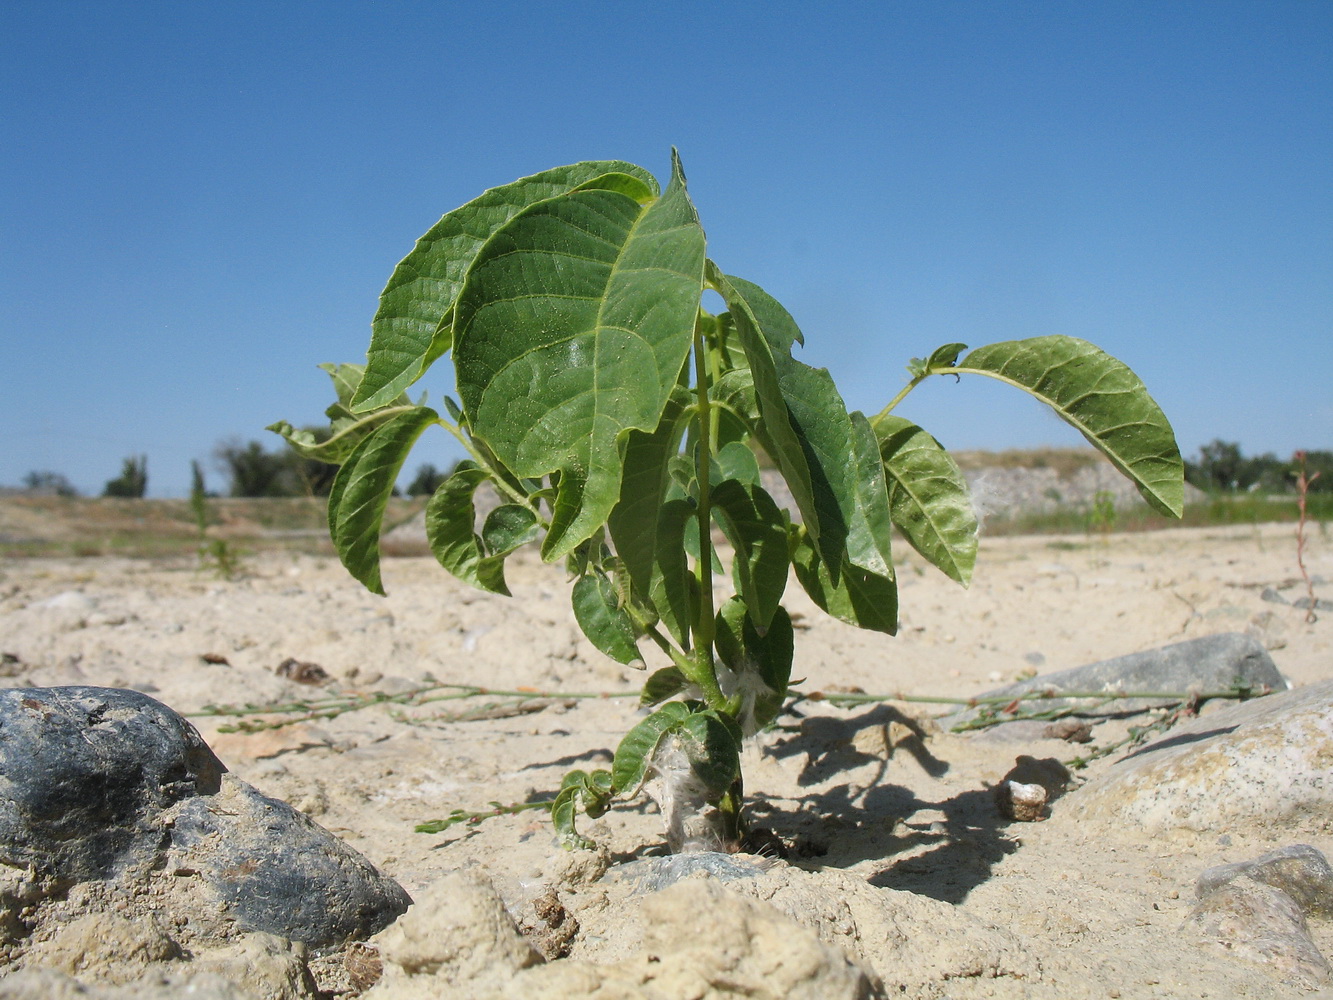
x=1096 y=910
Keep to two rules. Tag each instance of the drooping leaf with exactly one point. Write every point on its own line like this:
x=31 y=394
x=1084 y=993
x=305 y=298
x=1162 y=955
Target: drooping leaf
x=846 y=508
x=634 y=754
x=604 y=620
x=508 y=527
x=362 y=488
x=633 y=521
x=758 y=393
x=450 y=519
x=571 y=329
x=412 y=327
x=1103 y=399
x=928 y=497
x=673 y=589
x=856 y=596
x=760 y=664
x=757 y=530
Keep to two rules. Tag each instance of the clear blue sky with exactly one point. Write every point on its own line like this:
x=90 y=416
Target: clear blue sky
x=201 y=201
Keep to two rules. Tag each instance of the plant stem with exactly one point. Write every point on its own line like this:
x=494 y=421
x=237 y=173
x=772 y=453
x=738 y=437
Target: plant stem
x=902 y=394
x=1302 y=489
x=705 y=625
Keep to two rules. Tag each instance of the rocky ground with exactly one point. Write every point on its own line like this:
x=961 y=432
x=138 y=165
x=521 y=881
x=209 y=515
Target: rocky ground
x=899 y=870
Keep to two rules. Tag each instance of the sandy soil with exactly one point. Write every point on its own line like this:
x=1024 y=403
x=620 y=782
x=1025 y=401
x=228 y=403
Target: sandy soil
x=1096 y=910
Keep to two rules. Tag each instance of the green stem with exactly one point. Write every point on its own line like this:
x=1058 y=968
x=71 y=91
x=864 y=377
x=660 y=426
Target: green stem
x=705 y=672
x=917 y=380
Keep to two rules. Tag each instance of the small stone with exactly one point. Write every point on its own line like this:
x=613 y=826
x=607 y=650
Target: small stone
x=1024 y=803
x=302 y=673
x=1069 y=730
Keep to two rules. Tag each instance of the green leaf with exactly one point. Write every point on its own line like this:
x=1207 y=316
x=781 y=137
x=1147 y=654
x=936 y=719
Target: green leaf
x=508 y=527
x=735 y=460
x=412 y=327
x=634 y=519
x=635 y=752
x=853 y=595
x=760 y=664
x=572 y=328
x=661 y=685
x=603 y=620
x=845 y=506
x=757 y=530
x=942 y=357
x=579 y=790
x=362 y=488
x=673 y=589
x=712 y=743
x=928 y=497
x=760 y=395
x=1103 y=399
x=450 y=519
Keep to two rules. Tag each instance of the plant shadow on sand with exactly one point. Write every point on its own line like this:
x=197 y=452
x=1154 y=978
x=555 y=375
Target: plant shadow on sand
x=947 y=852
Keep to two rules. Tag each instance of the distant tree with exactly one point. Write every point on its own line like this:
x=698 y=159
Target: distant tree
x=45 y=481
x=254 y=472
x=132 y=481
x=1220 y=467
x=427 y=481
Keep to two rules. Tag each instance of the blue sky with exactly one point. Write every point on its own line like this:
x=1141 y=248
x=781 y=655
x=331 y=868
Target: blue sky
x=200 y=202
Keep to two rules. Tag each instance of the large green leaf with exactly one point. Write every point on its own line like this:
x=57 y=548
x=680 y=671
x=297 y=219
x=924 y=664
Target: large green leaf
x=758 y=394
x=757 y=530
x=928 y=497
x=1102 y=398
x=362 y=488
x=413 y=325
x=571 y=330
x=853 y=595
x=846 y=506
x=604 y=620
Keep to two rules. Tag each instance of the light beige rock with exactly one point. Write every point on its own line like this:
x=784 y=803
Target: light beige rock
x=1262 y=764
x=457 y=932
x=1261 y=925
x=702 y=941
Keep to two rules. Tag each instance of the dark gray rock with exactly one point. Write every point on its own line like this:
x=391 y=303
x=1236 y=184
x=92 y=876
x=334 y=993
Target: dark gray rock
x=106 y=784
x=277 y=871
x=85 y=774
x=1211 y=663
x=1299 y=870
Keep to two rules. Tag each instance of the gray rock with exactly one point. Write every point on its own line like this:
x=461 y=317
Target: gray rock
x=1211 y=663
x=106 y=784
x=85 y=774
x=276 y=870
x=1263 y=764
x=1300 y=871
x=1260 y=925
